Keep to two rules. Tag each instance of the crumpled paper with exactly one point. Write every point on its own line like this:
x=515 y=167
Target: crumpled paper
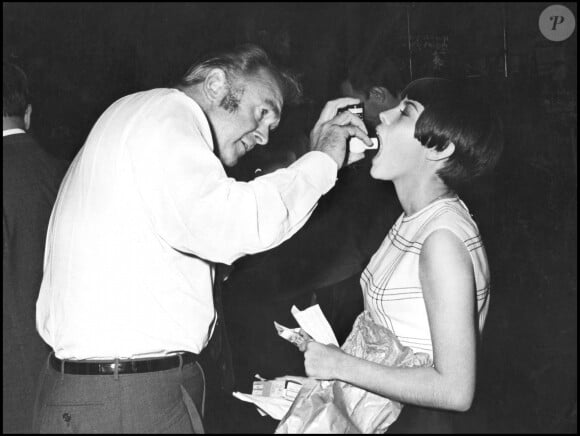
x=315 y=324
x=275 y=407
x=339 y=407
x=274 y=397
x=296 y=336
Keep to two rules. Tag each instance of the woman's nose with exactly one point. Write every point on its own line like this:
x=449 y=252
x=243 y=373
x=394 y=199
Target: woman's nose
x=384 y=117
x=387 y=117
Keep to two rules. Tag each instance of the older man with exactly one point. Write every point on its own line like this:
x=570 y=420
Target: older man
x=145 y=211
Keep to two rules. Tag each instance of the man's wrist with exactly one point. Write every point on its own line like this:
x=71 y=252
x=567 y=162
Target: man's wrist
x=332 y=157
x=321 y=168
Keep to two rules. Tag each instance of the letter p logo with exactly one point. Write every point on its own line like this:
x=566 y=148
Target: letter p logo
x=557 y=23
x=557 y=19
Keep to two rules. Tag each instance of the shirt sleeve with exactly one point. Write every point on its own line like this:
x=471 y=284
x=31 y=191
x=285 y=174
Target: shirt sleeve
x=195 y=208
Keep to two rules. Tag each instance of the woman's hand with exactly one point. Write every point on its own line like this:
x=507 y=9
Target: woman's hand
x=323 y=361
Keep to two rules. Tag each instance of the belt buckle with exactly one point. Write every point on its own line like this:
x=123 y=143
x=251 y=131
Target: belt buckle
x=107 y=368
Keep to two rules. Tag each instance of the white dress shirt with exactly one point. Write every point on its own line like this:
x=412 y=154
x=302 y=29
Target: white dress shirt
x=142 y=214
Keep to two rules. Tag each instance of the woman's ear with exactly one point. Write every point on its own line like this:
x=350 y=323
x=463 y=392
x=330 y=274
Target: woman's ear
x=435 y=155
x=215 y=86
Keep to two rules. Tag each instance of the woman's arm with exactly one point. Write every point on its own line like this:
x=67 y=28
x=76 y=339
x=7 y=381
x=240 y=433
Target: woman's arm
x=447 y=278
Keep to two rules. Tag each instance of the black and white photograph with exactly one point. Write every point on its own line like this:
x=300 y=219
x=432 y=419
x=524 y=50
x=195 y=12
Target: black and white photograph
x=289 y=217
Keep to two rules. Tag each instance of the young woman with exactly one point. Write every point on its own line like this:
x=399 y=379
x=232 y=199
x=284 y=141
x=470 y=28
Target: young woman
x=429 y=280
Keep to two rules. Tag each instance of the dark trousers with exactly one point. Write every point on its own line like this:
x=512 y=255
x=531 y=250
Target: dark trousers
x=168 y=401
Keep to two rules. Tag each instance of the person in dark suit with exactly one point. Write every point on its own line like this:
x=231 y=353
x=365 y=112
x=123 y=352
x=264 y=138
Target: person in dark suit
x=31 y=178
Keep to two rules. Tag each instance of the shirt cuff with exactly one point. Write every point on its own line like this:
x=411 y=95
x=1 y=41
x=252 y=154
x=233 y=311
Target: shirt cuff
x=320 y=169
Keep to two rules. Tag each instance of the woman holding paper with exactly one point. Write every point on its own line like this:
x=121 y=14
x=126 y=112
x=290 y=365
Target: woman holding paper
x=429 y=280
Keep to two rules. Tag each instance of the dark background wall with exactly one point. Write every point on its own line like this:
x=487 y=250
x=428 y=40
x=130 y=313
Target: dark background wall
x=82 y=56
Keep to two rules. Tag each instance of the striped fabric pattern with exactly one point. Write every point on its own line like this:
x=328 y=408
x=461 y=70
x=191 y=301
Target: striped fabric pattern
x=390 y=282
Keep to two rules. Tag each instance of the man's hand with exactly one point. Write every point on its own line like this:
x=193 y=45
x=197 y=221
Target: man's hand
x=323 y=361
x=331 y=132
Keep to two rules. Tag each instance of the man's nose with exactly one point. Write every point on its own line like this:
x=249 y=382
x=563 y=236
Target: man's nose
x=262 y=135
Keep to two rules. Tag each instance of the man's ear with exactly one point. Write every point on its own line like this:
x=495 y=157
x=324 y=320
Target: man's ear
x=27 y=114
x=378 y=93
x=215 y=85
x=435 y=155
x=383 y=96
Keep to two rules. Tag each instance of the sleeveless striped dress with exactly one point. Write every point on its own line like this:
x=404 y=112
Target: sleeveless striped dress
x=390 y=282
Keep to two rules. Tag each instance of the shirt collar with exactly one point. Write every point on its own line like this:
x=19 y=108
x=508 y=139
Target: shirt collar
x=202 y=117
x=12 y=132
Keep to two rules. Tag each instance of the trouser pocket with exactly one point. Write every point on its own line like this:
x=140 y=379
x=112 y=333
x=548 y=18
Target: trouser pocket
x=76 y=418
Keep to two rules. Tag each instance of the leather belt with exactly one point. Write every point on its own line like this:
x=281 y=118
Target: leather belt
x=131 y=366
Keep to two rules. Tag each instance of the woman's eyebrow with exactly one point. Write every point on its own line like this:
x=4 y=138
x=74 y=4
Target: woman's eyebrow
x=410 y=103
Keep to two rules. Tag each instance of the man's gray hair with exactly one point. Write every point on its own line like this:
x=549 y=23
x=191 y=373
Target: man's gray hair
x=243 y=61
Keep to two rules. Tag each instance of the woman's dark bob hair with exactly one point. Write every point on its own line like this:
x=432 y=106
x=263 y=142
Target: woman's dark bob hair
x=454 y=115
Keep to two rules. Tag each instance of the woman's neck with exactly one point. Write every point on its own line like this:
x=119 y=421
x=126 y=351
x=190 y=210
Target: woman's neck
x=415 y=195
